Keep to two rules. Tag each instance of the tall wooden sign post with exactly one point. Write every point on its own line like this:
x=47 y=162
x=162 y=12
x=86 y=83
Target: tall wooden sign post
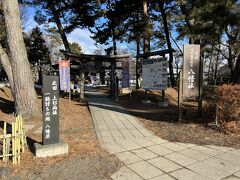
x=190 y=84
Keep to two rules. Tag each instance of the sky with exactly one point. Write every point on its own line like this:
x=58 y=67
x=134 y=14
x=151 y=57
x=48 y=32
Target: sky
x=83 y=36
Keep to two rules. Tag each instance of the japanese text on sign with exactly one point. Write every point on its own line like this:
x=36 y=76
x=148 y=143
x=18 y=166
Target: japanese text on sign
x=50 y=109
x=191 y=71
x=64 y=72
x=154 y=74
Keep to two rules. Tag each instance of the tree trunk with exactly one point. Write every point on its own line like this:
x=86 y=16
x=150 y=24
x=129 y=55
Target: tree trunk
x=5 y=61
x=82 y=86
x=235 y=78
x=145 y=35
x=169 y=45
x=25 y=95
x=138 y=65
x=60 y=28
x=216 y=69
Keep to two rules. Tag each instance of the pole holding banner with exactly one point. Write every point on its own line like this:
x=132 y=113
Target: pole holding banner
x=180 y=94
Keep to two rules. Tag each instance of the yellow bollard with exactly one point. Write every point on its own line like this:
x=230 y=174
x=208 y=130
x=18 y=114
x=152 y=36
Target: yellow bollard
x=13 y=143
x=4 y=142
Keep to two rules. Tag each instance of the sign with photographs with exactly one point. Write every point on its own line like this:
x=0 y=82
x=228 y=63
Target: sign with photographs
x=191 y=71
x=154 y=74
x=50 y=104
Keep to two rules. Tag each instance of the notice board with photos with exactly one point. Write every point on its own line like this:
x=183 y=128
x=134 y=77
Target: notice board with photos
x=154 y=74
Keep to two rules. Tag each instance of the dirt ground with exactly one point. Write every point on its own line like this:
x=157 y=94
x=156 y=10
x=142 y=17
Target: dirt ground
x=164 y=121
x=86 y=159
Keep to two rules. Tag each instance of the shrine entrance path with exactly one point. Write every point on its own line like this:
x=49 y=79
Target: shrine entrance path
x=147 y=156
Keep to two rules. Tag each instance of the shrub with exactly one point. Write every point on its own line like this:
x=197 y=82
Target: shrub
x=223 y=106
x=228 y=103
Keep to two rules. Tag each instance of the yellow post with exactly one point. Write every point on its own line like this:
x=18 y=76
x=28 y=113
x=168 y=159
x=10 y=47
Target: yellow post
x=13 y=143
x=22 y=136
x=4 y=141
x=17 y=139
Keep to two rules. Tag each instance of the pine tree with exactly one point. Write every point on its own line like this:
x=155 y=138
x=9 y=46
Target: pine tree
x=36 y=48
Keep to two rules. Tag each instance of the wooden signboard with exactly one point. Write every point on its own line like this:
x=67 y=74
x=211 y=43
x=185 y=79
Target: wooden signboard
x=191 y=70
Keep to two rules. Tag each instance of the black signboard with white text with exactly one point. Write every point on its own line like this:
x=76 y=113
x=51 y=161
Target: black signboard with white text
x=50 y=132
x=191 y=71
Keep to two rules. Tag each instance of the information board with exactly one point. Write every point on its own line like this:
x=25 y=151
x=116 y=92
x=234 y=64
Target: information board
x=64 y=72
x=50 y=105
x=154 y=74
x=191 y=71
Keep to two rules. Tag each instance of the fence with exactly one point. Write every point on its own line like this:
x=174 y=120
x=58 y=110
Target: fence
x=13 y=143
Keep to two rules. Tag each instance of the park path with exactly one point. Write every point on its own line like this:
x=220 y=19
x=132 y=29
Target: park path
x=147 y=156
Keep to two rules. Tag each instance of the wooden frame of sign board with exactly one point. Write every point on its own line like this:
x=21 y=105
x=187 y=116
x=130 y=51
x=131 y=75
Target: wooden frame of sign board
x=156 y=53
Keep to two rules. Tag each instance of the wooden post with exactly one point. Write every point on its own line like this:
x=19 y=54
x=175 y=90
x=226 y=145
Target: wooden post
x=163 y=95
x=180 y=100
x=200 y=88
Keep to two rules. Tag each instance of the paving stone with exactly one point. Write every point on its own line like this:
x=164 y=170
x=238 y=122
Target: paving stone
x=136 y=133
x=128 y=157
x=129 y=145
x=187 y=145
x=237 y=174
x=113 y=148
x=180 y=159
x=125 y=173
x=222 y=164
x=194 y=154
x=4 y=172
x=158 y=149
x=207 y=170
x=235 y=152
x=157 y=140
x=164 y=164
x=144 y=142
x=229 y=157
x=173 y=146
x=231 y=178
x=185 y=174
x=144 y=131
x=207 y=150
x=144 y=153
x=163 y=177
x=220 y=148
x=116 y=133
x=127 y=134
x=145 y=170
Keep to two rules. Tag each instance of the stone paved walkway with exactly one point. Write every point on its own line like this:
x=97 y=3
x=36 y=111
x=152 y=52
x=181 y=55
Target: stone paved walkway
x=147 y=156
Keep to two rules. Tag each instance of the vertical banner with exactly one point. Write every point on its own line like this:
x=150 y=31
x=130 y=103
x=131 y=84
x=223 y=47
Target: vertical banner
x=50 y=105
x=191 y=71
x=64 y=72
x=125 y=74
